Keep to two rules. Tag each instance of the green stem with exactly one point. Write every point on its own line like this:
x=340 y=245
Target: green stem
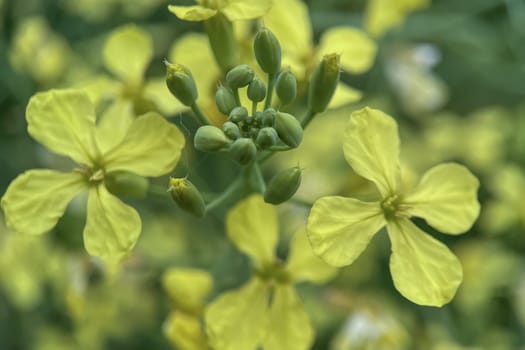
x=237 y=98
x=269 y=91
x=229 y=194
x=301 y=202
x=261 y=185
x=254 y=108
x=157 y=190
x=201 y=117
x=307 y=118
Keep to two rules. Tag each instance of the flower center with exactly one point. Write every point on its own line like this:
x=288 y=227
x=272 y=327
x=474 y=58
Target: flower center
x=274 y=273
x=93 y=175
x=391 y=206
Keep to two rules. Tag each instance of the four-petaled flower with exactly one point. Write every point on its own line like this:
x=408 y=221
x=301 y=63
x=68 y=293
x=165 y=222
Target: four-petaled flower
x=266 y=310
x=64 y=122
x=423 y=269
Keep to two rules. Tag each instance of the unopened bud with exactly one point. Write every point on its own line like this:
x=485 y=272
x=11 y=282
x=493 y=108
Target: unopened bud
x=243 y=150
x=222 y=41
x=126 y=184
x=209 y=138
x=323 y=82
x=267 y=137
x=268 y=116
x=239 y=76
x=225 y=100
x=187 y=196
x=257 y=90
x=231 y=130
x=267 y=51
x=286 y=87
x=181 y=84
x=238 y=114
x=288 y=128
x=283 y=186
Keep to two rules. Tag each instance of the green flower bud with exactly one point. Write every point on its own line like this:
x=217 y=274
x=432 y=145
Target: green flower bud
x=254 y=131
x=187 y=196
x=181 y=84
x=225 y=100
x=257 y=90
x=243 y=150
x=222 y=41
x=267 y=137
x=288 y=128
x=268 y=116
x=283 y=186
x=231 y=130
x=238 y=114
x=239 y=76
x=323 y=82
x=209 y=138
x=286 y=87
x=126 y=184
x=267 y=51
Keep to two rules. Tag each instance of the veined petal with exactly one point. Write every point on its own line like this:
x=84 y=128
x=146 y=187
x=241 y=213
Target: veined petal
x=237 y=10
x=357 y=50
x=290 y=22
x=114 y=124
x=36 y=199
x=289 y=326
x=112 y=227
x=446 y=197
x=152 y=147
x=423 y=269
x=127 y=53
x=187 y=287
x=304 y=265
x=192 y=13
x=371 y=147
x=185 y=331
x=237 y=319
x=63 y=121
x=344 y=95
x=253 y=228
x=340 y=228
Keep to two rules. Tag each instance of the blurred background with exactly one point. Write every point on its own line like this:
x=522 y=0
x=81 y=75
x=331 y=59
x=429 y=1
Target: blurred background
x=452 y=73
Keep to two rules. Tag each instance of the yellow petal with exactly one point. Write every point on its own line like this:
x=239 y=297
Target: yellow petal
x=63 y=121
x=290 y=22
x=127 y=53
x=185 y=331
x=371 y=147
x=192 y=13
x=340 y=228
x=344 y=95
x=357 y=49
x=381 y=15
x=187 y=287
x=114 y=124
x=304 y=265
x=151 y=147
x=156 y=91
x=446 y=197
x=253 y=228
x=236 y=319
x=289 y=326
x=424 y=270
x=36 y=199
x=112 y=227
x=237 y=10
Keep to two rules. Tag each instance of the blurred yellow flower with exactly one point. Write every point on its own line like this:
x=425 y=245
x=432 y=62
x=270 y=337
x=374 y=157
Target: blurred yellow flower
x=266 y=311
x=382 y=15
x=290 y=22
x=234 y=10
x=423 y=269
x=64 y=122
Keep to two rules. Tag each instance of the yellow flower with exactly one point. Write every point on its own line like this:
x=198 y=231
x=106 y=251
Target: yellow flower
x=234 y=10
x=423 y=269
x=188 y=288
x=381 y=15
x=244 y=318
x=64 y=122
x=290 y=22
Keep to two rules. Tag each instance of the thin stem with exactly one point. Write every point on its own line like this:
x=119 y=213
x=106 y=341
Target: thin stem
x=229 y=194
x=237 y=98
x=307 y=118
x=261 y=185
x=157 y=190
x=269 y=91
x=201 y=117
x=254 y=108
